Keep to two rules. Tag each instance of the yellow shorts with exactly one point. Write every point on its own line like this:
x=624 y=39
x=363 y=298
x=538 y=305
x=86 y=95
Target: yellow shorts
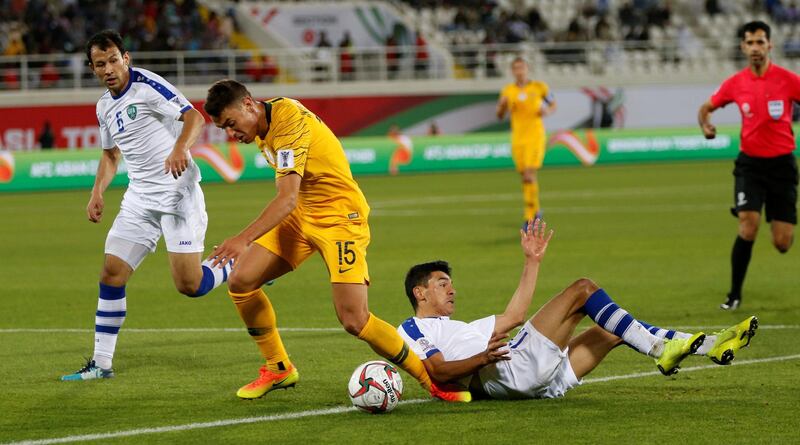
x=343 y=247
x=527 y=156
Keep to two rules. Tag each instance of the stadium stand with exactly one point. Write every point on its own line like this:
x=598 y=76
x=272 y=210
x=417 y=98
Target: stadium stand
x=193 y=41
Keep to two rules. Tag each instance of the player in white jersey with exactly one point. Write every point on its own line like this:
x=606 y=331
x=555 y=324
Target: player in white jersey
x=147 y=122
x=545 y=358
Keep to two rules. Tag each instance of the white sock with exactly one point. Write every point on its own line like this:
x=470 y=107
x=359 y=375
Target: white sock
x=639 y=338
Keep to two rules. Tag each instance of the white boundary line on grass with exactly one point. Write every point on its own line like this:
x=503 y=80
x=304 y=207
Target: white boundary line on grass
x=339 y=329
x=337 y=410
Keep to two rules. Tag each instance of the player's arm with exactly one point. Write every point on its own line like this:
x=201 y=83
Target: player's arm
x=178 y=160
x=704 y=119
x=534 y=243
x=106 y=170
x=502 y=106
x=442 y=370
x=549 y=107
x=278 y=208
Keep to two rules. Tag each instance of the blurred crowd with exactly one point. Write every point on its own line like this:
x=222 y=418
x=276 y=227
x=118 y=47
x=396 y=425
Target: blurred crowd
x=62 y=26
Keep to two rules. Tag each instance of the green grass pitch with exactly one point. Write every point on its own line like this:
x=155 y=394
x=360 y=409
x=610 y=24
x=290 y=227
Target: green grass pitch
x=656 y=237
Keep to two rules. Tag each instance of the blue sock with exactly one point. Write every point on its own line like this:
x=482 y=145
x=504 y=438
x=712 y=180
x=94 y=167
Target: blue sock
x=609 y=316
x=206 y=284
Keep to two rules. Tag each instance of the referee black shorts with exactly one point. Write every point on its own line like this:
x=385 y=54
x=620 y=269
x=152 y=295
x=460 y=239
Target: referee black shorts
x=770 y=183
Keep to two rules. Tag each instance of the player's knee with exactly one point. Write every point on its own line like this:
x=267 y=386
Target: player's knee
x=352 y=327
x=354 y=323
x=239 y=284
x=585 y=287
x=187 y=287
x=783 y=243
x=748 y=229
x=114 y=275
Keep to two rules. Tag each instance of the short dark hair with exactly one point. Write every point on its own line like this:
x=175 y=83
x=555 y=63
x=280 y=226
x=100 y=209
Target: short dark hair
x=222 y=94
x=418 y=275
x=752 y=27
x=519 y=59
x=104 y=40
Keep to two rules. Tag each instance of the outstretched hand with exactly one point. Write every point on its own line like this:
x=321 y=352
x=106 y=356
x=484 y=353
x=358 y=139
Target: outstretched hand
x=534 y=240
x=495 y=351
x=230 y=250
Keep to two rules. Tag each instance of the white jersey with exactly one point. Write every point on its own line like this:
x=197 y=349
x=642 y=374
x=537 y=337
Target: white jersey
x=456 y=340
x=143 y=122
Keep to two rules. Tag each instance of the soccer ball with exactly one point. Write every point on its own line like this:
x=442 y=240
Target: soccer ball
x=375 y=387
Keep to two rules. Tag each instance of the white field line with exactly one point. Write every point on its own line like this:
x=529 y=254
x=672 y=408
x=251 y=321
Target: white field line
x=330 y=411
x=154 y=330
x=339 y=329
x=494 y=197
x=654 y=208
x=693 y=368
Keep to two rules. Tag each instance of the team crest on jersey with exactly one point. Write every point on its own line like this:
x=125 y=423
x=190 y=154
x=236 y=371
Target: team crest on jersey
x=775 y=108
x=132 y=111
x=285 y=159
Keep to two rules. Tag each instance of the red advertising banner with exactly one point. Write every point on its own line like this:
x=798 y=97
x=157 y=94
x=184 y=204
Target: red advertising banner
x=75 y=126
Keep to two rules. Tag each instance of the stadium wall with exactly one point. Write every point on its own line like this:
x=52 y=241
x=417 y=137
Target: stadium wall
x=231 y=162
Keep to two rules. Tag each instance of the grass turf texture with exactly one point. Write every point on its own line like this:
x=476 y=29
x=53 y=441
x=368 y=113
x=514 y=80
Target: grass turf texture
x=656 y=237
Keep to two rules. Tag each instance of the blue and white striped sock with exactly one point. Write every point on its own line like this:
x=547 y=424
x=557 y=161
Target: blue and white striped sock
x=664 y=333
x=212 y=277
x=609 y=316
x=708 y=343
x=111 y=310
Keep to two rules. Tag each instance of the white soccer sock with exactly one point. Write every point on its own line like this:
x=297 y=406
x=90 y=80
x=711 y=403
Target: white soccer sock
x=638 y=337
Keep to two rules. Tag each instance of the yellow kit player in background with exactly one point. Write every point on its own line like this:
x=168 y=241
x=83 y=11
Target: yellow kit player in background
x=528 y=101
x=318 y=207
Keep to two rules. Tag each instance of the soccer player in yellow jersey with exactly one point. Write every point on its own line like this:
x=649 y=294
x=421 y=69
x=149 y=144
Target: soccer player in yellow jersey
x=528 y=101
x=318 y=207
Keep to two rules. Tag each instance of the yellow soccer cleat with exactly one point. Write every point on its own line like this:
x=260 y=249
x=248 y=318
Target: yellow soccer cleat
x=268 y=381
x=731 y=340
x=676 y=350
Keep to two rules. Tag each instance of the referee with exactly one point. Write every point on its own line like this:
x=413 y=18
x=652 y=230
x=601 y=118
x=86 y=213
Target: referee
x=765 y=171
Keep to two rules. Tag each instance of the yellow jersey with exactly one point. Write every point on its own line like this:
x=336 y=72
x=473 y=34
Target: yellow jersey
x=525 y=104
x=299 y=142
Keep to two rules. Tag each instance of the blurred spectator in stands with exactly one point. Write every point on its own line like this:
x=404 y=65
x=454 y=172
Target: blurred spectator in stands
x=489 y=46
x=518 y=30
x=323 y=40
x=628 y=16
x=773 y=7
x=392 y=55
x=791 y=45
x=46 y=137
x=421 y=58
x=15 y=47
x=323 y=58
x=791 y=14
x=347 y=67
x=433 y=129
x=10 y=78
x=712 y=7
x=638 y=33
x=48 y=75
x=261 y=68
x=659 y=15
